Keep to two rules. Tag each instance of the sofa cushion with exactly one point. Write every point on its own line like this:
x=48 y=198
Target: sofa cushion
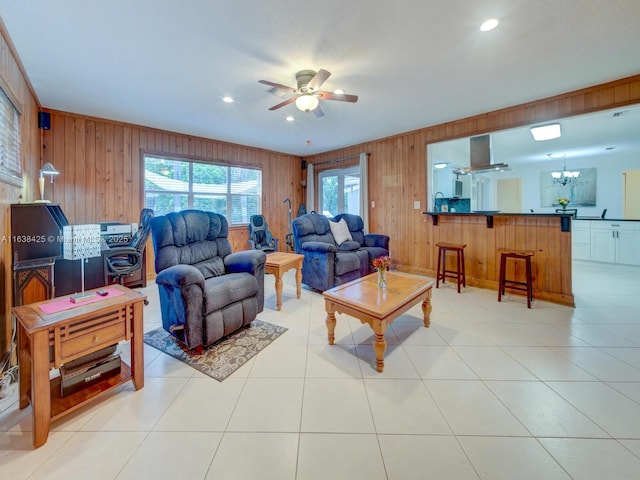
x=340 y=231
x=349 y=246
x=213 y=267
x=189 y=237
x=227 y=289
x=346 y=262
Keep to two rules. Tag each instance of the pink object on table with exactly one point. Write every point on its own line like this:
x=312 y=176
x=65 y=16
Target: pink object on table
x=63 y=304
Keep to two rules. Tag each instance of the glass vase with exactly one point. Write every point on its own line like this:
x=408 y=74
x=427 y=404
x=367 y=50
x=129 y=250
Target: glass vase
x=382 y=278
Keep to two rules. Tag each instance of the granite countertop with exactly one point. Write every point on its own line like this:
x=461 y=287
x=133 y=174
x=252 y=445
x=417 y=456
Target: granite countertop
x=541 y=214
x=505 y=214
x=607 y=219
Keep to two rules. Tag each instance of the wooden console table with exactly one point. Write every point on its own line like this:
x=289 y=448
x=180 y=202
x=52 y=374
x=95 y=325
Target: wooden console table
x=47 y=341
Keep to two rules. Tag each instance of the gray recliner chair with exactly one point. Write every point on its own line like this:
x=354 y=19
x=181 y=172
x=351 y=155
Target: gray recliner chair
x=206 y=291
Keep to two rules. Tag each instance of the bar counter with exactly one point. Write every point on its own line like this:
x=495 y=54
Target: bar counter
x=548 y=235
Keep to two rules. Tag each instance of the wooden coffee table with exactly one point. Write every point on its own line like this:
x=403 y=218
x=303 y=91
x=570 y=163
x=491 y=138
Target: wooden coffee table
x=378 y=307
x=278 y=263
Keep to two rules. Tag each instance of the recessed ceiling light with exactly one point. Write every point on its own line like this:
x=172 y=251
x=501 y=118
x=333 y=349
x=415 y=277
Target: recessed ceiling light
x=227 y=99
x=546 y=132
x=440 y=165
x=489 y=24
x=289 y=118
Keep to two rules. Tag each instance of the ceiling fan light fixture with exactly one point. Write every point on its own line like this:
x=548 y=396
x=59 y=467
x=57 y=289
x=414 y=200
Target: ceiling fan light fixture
x=546 y=132
x=307 y=102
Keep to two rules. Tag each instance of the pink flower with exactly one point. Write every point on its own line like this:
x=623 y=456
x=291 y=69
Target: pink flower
x=381 y=263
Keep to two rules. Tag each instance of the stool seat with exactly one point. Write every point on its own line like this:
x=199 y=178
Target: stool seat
x=503 y=282
x=442 y=272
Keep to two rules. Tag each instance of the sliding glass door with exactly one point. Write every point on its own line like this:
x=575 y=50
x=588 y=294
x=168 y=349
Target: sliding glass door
x=339 y=191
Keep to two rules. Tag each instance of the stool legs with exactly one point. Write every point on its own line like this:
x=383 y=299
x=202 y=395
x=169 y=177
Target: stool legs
x=459 y=273
x=503 y=267
x=438 y=276
x=529 y=282
x=503 y=282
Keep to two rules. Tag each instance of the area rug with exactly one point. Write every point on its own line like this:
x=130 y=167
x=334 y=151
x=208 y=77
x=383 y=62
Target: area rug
x=224 y=357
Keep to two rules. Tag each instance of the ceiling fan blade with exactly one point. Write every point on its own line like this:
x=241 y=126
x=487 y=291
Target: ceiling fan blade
x=318 y=112
x=342 y=97
x=286 y=102
x=277 y=85
x=318 y=79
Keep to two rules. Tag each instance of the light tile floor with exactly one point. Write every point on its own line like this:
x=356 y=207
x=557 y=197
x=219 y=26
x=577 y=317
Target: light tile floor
x=491 y=390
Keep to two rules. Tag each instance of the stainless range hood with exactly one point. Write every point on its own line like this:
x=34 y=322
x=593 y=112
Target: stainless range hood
x=480 y=157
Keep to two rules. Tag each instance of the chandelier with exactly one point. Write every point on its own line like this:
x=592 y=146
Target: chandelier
x=565 y=178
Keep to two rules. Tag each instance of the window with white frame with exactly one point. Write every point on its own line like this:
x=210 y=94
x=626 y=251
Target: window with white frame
x=339 y=191
x=10 y=164
x=173 y=184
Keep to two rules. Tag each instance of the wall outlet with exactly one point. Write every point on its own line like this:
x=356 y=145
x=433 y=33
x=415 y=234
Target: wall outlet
x=373 y=204
x=416 y=204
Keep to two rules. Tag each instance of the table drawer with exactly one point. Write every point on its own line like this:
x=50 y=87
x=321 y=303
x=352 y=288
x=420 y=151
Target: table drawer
x=83 y=337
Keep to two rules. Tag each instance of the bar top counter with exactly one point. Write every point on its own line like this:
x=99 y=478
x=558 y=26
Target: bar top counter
x=547 y=235
x=529 y=214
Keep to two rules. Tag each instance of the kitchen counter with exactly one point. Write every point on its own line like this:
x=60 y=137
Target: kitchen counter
x=592 y=219
x=484 y=233
x=502 y=214
x=564 y=218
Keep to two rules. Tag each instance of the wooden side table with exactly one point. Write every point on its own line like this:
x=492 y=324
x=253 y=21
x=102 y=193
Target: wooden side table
x=278 y=263
x=47 y=341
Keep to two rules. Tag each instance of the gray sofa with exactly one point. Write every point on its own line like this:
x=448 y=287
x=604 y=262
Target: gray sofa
x=206 y=292
x=327 y=264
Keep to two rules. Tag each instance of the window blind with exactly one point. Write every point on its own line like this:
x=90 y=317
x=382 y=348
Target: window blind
x=10 y=165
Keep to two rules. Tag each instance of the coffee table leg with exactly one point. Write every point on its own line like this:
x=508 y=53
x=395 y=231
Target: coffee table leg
x=278 y=290
x=331 y=327
x=426 y=309
x=299 y=280
x=379 y=344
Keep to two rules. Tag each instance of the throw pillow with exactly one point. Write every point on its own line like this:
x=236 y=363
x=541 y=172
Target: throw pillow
x=340 y=231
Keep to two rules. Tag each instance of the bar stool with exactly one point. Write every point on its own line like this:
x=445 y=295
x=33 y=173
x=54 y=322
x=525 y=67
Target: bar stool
x=503 y=282
x=458 y=273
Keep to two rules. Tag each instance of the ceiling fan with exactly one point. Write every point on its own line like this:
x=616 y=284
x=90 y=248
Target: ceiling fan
x=308 y=94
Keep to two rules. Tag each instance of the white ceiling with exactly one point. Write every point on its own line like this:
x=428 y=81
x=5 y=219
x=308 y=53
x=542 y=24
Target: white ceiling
x=413 y=63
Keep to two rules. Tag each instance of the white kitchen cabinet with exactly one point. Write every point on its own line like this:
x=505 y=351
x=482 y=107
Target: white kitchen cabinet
x=581 y=239
x=615 y=242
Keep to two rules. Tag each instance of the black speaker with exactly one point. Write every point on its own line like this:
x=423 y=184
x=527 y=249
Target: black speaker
x=304 y=164
x=44 y=120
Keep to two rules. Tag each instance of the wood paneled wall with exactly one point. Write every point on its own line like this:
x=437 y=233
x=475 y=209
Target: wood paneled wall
x=102 y=180
x=398 y=174
x=13 y=79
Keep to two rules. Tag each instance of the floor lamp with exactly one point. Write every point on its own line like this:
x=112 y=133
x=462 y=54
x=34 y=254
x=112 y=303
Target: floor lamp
x=81 y=242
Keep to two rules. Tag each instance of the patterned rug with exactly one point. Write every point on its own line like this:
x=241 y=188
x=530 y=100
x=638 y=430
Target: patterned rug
x=223 y=357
